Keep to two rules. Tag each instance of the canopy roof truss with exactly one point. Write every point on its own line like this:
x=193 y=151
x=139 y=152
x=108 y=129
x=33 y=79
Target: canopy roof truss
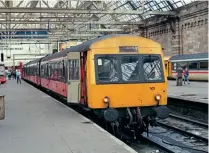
x=75 y=19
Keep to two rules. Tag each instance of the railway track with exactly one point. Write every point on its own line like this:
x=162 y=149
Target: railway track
x=178 y=134
x=189 y=120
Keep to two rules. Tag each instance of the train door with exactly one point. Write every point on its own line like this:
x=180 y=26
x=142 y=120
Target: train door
x=73 y=93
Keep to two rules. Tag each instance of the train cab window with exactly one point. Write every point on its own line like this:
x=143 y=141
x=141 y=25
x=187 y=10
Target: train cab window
x=192 y=65
x=152 y=68
x=130 y=68
x=74 y=69
x=204 y=65
x=107 y=69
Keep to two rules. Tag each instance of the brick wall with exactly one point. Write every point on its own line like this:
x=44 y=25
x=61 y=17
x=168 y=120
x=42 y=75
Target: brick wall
x=186 y=33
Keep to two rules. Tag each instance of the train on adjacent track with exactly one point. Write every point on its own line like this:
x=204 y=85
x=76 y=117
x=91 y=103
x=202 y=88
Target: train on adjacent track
x=120 y=78
x=2 y=74
x=196 y=63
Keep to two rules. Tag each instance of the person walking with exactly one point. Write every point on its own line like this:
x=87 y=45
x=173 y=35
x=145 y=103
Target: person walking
x=186 y=75
x=18 y=75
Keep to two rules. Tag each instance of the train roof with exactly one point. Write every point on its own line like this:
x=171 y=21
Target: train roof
x=36 y=60
x=189 y=57
x=82 y=47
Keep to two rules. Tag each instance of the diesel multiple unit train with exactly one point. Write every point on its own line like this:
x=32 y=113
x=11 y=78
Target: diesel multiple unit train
x=121 y=78
x=196 y=63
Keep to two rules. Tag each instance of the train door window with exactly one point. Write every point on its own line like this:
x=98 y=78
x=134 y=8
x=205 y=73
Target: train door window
x=152 y=67
x=174 y=67
x=74 y=69
x=107 y=69
x=166 y=66
x=130 y=68
x=204 y=65
x=193 y=65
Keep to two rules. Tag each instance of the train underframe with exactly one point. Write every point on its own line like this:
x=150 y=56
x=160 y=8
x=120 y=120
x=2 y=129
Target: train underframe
x=131 y=122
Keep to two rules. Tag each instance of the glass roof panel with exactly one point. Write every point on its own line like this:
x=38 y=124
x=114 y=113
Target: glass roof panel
x=149 y=5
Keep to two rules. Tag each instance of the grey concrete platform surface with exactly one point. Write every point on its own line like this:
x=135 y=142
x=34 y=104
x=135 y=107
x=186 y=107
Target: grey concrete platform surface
x=195 y=91
x=37 y=123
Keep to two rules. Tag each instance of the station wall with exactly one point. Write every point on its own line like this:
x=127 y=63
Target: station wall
x=15 y=52
x=186 y=33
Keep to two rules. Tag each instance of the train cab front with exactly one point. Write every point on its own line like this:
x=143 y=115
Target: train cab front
x=130 y=88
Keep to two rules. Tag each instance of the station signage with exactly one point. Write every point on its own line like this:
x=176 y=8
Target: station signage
x=24 y=34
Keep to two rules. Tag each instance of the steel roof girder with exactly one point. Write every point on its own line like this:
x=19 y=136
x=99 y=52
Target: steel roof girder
x=77 y=11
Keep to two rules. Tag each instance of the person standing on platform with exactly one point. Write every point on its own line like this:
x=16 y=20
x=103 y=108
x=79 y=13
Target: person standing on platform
x=186 y=75
x=14 y=74
x=18 y=75
x=179 y=80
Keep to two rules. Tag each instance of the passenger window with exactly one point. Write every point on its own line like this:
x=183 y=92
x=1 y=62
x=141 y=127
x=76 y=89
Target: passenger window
x=107 y=69
x=193 y=65
x=130 y=68
x=204 y=65
x=152 y=68
x=42 y=70
x=74 y=70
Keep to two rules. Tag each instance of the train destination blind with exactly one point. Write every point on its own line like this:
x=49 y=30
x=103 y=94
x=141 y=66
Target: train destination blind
x=128 y=48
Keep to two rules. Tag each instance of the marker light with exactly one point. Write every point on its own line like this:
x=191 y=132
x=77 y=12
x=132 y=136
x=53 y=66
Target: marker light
x=157 y=97
x=106 y=100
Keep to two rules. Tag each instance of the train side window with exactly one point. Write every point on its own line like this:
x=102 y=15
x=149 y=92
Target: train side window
x=74 y=69
x=61 y=70
x=49 y=69
x=64 y=69
x=130 y=68
x=42 y=70
x=204 y=65
x=193 y=65
x=56 y=68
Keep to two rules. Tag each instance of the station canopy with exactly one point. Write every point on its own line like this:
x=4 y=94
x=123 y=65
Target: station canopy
x=57 y=20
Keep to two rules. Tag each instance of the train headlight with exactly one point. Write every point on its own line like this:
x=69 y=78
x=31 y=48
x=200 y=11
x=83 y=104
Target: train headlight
x=157 y=97
x=106 y=100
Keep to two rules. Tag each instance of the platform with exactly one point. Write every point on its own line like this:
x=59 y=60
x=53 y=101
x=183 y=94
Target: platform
x=195 y=91
x=37 y=123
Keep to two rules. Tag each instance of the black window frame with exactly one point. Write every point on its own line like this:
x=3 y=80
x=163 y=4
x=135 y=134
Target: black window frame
x=141 y=71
